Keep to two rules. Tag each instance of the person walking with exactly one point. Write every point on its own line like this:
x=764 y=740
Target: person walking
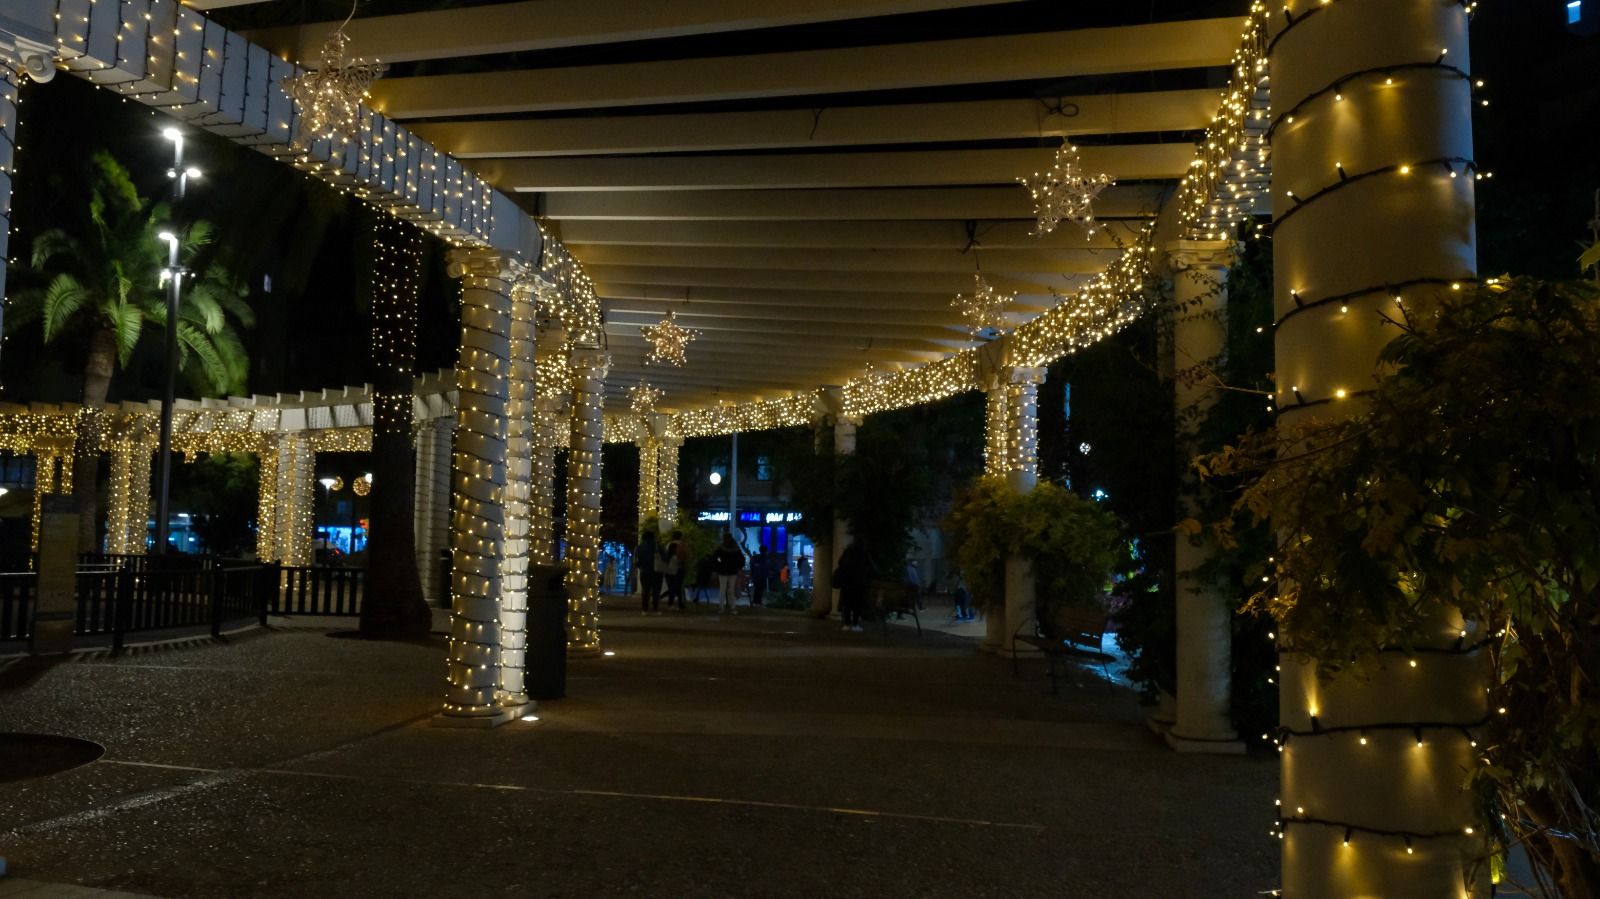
x=676 y=561
x=852 y=577
x=729 y=561
x=759 y=565
x=644 y=562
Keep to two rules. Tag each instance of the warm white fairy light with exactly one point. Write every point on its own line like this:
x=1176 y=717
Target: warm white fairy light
x=985 y=308
x=1064 y=192
x=329 y=98
x=668 y=341
x=642 y=398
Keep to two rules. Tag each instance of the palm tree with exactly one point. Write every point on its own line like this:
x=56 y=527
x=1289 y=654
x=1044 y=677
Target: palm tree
x=106 y=287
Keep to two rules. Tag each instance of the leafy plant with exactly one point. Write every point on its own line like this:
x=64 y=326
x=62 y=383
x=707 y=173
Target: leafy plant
x=1071 y=542
x=1470 y=481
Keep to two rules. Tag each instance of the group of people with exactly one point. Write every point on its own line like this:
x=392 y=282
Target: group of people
x=662 y=568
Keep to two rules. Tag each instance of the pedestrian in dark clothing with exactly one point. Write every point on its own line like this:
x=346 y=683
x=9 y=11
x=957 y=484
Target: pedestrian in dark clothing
x=852 y=577
x=728 y=561
x=644 y=562
x=704 y=578
x=674 y=559
x=758 y=575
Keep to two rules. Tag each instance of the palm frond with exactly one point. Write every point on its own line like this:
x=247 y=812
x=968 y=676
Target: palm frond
x=23 y=308
x=233 y=300
x=200 y=307
x=212 y=369
x=128 y=322
x=62 y=299
x=113 y=182
x=53 y=244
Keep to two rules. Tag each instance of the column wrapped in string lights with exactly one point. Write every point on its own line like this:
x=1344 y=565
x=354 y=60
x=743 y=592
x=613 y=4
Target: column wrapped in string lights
x=1021 y=386
x=432 y=491
x=52 y=473
x=477 y=488
x=667 y=479
x=996 y=442
x=267 y=512
x=9 y=98
x=128 y=494
x=1374 y=207
x=550 y=432
x=649 y=471
x=296 y=518
x=583 y=499
x=520 y=398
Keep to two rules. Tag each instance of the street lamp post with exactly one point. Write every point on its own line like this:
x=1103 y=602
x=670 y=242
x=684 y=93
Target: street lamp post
x=173 y=275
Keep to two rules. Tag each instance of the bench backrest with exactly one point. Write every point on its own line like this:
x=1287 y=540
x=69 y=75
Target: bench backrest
x=1077 y=624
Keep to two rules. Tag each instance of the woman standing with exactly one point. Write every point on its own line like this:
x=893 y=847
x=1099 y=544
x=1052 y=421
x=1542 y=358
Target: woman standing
x=853 y=577
x=729 y=561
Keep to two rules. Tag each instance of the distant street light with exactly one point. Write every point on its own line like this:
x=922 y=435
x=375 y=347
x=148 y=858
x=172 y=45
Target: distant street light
x=172 y=278
x=716 y=478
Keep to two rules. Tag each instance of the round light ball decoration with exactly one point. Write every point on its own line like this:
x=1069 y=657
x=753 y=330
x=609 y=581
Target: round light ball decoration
x=362 y=485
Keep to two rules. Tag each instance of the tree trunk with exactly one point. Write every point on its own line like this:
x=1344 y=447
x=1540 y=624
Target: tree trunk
x=393 y=606
x=97 y=372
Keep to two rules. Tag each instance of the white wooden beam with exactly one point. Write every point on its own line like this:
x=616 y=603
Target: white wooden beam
x=1020 y=57
x=897 y=204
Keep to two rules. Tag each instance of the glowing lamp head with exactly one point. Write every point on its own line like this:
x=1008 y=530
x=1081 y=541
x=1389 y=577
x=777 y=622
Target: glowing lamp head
x=716 y=478
x=172 y=134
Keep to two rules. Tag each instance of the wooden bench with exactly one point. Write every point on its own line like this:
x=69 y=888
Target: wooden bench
x=1064 y=630
x=893 y=597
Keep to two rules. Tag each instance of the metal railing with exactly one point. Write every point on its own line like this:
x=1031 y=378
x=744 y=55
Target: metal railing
x=319 y=590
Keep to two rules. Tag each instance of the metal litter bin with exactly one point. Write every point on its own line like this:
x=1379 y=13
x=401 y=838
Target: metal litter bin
x=547 y=632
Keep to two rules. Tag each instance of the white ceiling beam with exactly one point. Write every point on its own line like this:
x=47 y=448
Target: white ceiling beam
x=897 y=204
x=1010 y=234
x=928 y=330
x=1048 y=262
x=651 y=311
x=891 y=169
x=948 y=283
x=672 y=297
x=833 y=127
x=778 y=337
x=550 y=24
x=1020 y=57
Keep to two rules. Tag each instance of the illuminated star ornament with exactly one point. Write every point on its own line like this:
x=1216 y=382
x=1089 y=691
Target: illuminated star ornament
x=985 y=307
x=668 y=341
x=329 y=98
x=643 y=398
x=1064 y=193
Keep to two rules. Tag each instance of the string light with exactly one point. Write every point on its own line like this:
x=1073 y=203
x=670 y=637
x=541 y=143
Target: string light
x=329 y=98
x=985 y=308
x=668 y=341
x=1064 y=192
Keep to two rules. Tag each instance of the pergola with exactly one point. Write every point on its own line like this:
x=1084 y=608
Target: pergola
x=816 y=238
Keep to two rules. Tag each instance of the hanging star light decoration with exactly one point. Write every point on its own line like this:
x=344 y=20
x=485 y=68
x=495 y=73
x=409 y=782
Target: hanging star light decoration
x=1064 y=193
x=643 y=398
x=329 y=98
x=985 y=307
x=668 y=341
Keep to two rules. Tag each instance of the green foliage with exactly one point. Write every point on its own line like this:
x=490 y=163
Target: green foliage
x=105 y=277
x=1072 y=543
x=1470 y=482
x=219 y=493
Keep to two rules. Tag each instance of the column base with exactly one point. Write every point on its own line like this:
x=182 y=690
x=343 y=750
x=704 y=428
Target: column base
x=1212 y=746
x=476 y=722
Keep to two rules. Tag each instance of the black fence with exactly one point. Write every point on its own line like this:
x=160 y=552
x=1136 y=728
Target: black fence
x=124 y=594
x=318 y=590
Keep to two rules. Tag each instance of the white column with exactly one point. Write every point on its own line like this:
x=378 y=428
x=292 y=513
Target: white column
x=432 y=498
x=667 y=480
x=8 y=145
x=267 y=459
x=478 y=480
x=1021 y=386
x=996 y=462
x=1368 y=83
x=295 y=500
x=520 y=414
x=649 y=473
x=144 y=450
x=1205 y=621
x=844 y=444
x=550 y=425
x=583 y=500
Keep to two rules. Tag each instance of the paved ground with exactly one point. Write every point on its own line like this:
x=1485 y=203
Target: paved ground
x=765 y=755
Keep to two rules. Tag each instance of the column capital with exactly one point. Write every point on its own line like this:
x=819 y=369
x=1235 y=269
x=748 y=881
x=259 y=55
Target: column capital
x=36 y=60
x=1022 y=374
x=1201 y=254
x=482 y=262
x=829 y=402
x=584 y=359
x=670 y=440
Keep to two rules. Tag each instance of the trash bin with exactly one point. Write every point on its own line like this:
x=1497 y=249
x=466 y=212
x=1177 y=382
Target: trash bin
x=547 y=632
